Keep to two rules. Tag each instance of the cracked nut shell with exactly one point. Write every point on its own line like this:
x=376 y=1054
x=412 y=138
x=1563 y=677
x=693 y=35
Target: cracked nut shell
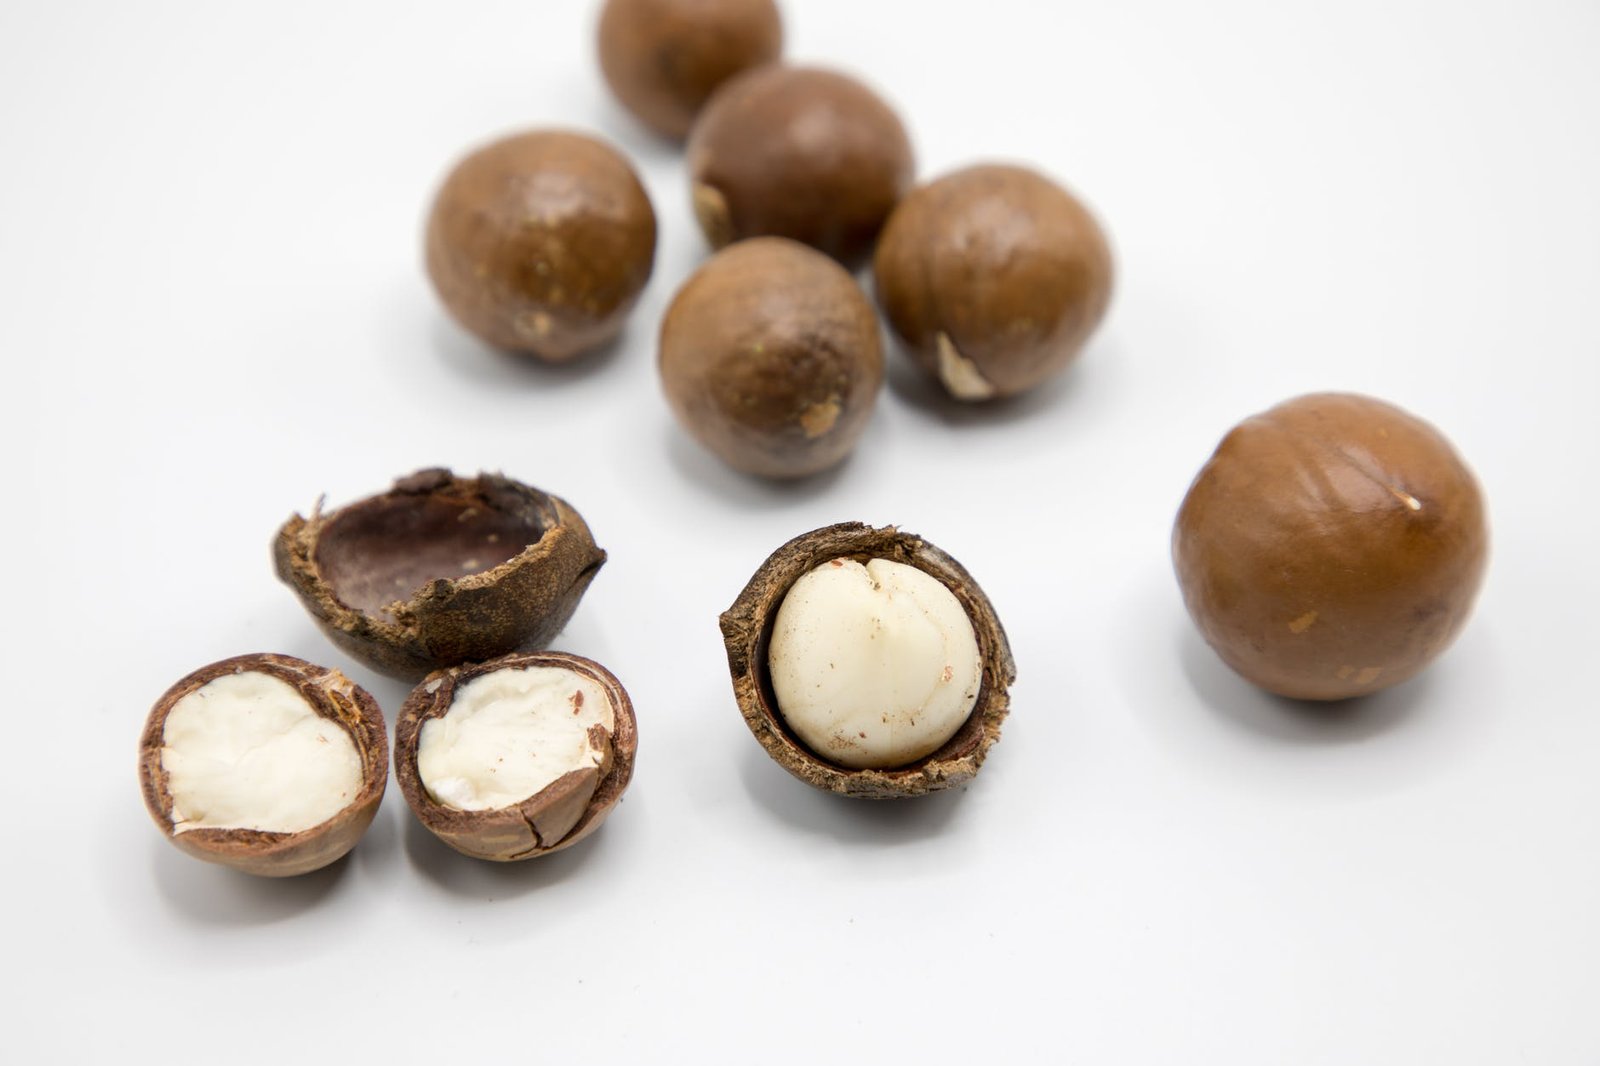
x=994 y=278
x=664 y=58
x=1332 y=547
x=270 y=854
x=771 y=358
x=440 y=570
x=509 y=834
x=747 y=632
x=541 y=242
x=802 y=153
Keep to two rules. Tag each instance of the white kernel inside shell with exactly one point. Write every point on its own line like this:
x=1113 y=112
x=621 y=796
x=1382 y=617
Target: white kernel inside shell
x=509 y=734
x=248 y=751
x=873 y=665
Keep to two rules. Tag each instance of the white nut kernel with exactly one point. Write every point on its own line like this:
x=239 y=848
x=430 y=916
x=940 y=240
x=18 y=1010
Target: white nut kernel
x=248 y=751
x=873 y=666
x=510 y=733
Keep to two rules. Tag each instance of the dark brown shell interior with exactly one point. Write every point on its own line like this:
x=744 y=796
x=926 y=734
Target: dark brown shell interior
x=747 y=632
x=268 y=854
x=509 y=834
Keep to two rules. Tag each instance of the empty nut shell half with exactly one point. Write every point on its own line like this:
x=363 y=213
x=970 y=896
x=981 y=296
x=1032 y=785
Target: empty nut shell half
x=215 y=777
x=558 y=814
x=747 y=629
x=440 y=570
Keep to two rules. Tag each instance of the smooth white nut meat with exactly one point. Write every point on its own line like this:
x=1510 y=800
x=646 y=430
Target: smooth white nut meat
x=509 y=734
x=248 y=751
x=873 y=666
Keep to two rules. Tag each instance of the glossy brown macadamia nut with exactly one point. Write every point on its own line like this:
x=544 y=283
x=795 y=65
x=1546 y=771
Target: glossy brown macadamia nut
x=801 y=153
x=541 y=242
x=664 y=58
x=770 y=358
x=440 y=570
x=1331 y=547
x=264 y=763
x=993 y=277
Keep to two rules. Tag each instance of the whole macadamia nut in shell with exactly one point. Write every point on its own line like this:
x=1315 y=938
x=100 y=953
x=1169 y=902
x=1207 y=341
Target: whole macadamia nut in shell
x=771 y=358
x=994 y=277
x=664 y=58
x=440 y=570
x=540 y=243
x=749 y=626
x=798 y=152
x=1332 y=547
x=264 y=763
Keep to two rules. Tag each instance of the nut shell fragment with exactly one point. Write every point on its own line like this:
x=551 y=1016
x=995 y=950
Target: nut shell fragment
x=440 y=570
x=747 y=630
x=268 y=854
x=557 y=816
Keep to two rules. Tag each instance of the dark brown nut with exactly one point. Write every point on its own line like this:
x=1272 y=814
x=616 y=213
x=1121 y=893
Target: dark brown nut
x=440 y=570
x=770 y=358
x=541 y=242
x=994 y=277
x=664 y=58
x=747 y=630
x=265 y=763
x=802 y=153
x=1331 y=547
x=523 y=718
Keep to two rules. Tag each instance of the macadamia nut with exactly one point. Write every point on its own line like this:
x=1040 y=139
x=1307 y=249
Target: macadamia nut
x=247 y=751
x=511 y=733
x=873 y=665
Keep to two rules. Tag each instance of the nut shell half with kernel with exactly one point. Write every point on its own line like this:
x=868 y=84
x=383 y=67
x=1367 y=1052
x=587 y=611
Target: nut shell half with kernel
x=541 y=242
x=1331 y=547
x=440 y=570
x=264 y=763
x=531 y=766
x=748 y=630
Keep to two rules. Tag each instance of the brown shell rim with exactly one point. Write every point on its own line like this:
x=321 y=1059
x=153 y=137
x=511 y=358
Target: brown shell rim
x=328 y=691
x=747 y=629
x=297 y=544
x=432 y=698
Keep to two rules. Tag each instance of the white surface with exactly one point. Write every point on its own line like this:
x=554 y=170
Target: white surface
x=210 y=219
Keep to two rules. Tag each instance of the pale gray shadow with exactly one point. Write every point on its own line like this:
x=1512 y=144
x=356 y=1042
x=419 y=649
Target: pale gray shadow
x=923 y=394
x=218 y=896
x=1237 y=703
x=487 y=365
x=860 y=822
x=714 y=477
x=470 y=878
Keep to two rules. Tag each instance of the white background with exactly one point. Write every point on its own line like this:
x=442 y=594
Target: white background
x=212 y=310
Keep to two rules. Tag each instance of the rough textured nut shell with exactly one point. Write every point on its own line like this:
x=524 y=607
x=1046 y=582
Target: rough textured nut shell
x=383 y=577
x=770 y=357
x=664 y=58
x=509 y=834
x=1332 y=546
x=747 y=628
x=801 y=153
x=993 y=277
x=334 y=697
x=541 y=242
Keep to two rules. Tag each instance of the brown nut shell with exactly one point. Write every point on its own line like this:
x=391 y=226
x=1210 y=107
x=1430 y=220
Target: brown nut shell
x=268 y=854
x=664 y=58
x=1332 y=547
x=771 y=358
x=747 y=631
x=541 y=242
x=563 y=813
x=798 y=152
x=440 y=570
x=993 y=277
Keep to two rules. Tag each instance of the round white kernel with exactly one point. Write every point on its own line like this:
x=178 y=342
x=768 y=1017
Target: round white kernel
x=873 y=666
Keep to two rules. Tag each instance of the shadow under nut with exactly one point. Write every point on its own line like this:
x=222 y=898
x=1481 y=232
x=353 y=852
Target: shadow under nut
x=994 y=278
x=802 y=153
x=541 y=242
